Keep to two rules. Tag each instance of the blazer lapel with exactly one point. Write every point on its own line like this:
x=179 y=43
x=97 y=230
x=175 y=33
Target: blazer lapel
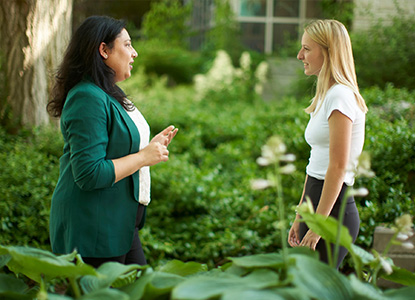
x=134 y=147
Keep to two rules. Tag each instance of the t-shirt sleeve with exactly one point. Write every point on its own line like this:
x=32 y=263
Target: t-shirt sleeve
x=341 y=98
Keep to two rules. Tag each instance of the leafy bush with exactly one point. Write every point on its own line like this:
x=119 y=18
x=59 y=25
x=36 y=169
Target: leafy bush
x=390 y=139
x=29 y=165
x=177 y=63
x=384 y=53
x=167 y=22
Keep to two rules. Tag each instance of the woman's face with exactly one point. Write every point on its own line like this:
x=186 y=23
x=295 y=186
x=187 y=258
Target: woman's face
x=120 y=57
x=311 y=54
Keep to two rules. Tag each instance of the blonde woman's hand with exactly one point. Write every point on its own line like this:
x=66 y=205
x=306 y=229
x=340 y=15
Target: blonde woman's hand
x=165 y=136
x=294 y=234
x=310 y=240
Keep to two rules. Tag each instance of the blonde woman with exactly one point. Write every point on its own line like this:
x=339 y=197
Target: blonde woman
x=335 y=131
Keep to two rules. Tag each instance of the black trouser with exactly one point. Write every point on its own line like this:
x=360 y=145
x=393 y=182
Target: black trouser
x=134 y=256
x=351 y=219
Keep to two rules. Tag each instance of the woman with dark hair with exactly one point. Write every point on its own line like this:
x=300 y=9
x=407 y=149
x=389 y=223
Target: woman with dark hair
x=100 y=200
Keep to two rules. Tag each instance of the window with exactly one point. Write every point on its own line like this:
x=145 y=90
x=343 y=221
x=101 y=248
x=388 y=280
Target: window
x=270 y=24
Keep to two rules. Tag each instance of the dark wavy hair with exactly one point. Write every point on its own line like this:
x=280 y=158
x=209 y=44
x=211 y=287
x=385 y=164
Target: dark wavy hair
x=83 y=60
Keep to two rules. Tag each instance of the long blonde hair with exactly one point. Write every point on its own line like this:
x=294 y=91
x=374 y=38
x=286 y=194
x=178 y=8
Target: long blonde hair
x=338 y=63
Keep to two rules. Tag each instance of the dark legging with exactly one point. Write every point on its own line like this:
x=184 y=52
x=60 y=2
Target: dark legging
x=134 y=256
x=351 y=219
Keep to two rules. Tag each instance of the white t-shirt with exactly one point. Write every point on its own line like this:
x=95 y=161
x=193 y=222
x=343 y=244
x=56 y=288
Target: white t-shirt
x=339 y=97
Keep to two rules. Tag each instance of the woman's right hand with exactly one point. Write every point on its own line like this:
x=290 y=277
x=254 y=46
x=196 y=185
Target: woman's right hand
x=294 y=234
x=154 y=153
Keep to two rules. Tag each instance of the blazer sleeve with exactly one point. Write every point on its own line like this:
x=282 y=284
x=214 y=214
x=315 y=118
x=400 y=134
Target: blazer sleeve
x=86 y=128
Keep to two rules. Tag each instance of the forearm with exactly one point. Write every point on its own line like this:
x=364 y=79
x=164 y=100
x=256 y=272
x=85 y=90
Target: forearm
x=331 y=189
x=127 y=165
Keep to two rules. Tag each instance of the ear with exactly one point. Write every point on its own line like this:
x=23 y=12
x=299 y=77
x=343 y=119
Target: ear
x=103 y=50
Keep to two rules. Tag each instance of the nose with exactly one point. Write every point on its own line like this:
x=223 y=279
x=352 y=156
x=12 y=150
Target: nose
x=134 y=54
x=300 y=55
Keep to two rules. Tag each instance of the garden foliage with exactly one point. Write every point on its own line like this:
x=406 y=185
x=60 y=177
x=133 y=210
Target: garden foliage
x=203 y=208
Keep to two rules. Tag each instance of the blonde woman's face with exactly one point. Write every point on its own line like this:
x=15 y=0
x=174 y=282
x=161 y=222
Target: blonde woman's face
x=311 y=54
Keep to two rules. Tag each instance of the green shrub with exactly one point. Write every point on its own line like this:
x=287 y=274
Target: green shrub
x=390 y=139
x=384 y=53
x=29 y=165
x=179 y=64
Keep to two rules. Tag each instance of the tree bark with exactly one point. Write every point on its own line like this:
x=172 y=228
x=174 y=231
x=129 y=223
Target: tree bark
x=34 y=35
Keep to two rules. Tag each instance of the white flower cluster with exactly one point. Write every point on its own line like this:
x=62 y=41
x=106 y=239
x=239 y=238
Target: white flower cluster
x=223 y=74
x=273 y=152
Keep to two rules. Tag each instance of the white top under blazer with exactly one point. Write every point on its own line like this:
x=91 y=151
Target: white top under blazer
x=339 y=97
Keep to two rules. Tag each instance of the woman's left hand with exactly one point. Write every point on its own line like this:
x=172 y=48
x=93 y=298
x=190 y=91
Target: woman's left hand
x=310 y=240
x=165 y=136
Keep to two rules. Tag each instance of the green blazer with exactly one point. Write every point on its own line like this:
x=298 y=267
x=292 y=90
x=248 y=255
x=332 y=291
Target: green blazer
x=90 y=212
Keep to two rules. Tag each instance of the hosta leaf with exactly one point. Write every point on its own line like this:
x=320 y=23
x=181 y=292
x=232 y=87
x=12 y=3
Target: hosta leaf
x=12 y=284
x=183 y=268
x=109 y=273
x=364 y=290
x=205 y=287
x=404 y=293
x=36 y=262
x=14 y=296
x=161 y=284
x=268 y=260
x=4 y=259
x=400 y=275
x=251 y=294
x=58 y=297
x=12 y=288
x=136 y=289
x=152 y=285
x=318 y=280
x=365 y=257
x=107 y=294
x=289 y=293
x=327 y=227
x=304 y=251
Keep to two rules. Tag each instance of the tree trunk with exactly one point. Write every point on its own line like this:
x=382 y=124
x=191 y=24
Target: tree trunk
x=34 y=35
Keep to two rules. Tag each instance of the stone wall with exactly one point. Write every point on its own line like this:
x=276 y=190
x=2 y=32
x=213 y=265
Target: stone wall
x=368 y=10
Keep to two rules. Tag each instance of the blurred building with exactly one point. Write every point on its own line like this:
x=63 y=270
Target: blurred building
x=267 y=25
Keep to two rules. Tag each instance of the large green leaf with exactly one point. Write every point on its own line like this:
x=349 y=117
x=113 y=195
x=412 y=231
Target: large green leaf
x=107 y=294
x=152 y=285
x=405 y=293
x=110 y=273
x=14 y=296
x=318 y=280
x=207 y=286
x=4 y=259
x=58 y=297
x=271 y=294
x=137 y=289
x=11 y=283
x=183 y=268
x=400 y=275
x=363 y=290
x=363 y=255
x=251 y=294
x=327 y=228
x=267 y=260
x=35 y=263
